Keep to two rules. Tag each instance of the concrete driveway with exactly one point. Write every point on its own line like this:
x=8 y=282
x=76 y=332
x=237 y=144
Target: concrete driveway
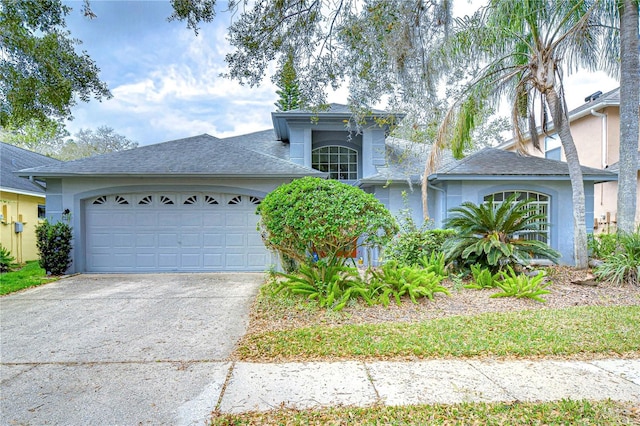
x=121 y=349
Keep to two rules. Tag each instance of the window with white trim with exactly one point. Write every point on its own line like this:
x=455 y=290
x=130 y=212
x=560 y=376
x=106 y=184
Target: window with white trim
x=540 y=201
x=340 y=162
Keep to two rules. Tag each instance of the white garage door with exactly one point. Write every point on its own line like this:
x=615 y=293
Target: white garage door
x=150 y=232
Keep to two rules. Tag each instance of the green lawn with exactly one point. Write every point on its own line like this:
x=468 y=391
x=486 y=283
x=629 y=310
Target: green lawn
x=30 y=275
x=548 y=332
x=548 y=413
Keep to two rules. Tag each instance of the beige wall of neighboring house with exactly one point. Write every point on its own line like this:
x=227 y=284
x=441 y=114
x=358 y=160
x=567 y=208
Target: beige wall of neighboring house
x=19 y=208
x=597 y=140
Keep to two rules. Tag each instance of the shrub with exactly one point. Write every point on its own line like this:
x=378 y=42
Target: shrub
x=602 y=246
x=623 y=264
x=54 y=246
x=326 y=217
x=487 y=234
x=412 y=243
x=517 y=285
x=6 y=260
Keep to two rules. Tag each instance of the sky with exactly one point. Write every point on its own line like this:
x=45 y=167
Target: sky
x=166 y=81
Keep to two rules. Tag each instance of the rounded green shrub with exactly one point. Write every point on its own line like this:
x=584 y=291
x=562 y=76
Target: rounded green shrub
x=326 y=217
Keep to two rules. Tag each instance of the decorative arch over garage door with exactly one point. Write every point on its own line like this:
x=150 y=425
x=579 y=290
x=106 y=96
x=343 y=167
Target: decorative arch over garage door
x=173 y=231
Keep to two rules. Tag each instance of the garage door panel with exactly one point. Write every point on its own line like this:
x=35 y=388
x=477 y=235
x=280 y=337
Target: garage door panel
x=146 y=260
x=212 y=240
x=191 y=219
x=191 y=241
x=236 y=219
x=123 y=240
x=212 y=219
x=168 y=260
x=145 y=240
x=190 y=260
x=257 y=260
x=234 y=240
x=166 y=240
x=235 y=260
x=192 y=234
x=146 y=218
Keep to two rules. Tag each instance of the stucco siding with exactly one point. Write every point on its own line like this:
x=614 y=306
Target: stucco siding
x=24 y=209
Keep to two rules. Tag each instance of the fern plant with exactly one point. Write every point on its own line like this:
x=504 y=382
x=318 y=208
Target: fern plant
x=331 y=284
x=434 y=263
x=393 y=280
x=482 y=278
x=517 y=285
x=487 y=234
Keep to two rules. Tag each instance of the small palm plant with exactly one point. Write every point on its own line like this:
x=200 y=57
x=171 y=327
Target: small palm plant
x=488 y=234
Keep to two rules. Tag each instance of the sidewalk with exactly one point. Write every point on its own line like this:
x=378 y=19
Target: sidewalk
x=254 y=386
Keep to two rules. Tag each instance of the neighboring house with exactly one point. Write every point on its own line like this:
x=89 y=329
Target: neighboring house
x=22 y=201
x=595 y=127
x=189 y=204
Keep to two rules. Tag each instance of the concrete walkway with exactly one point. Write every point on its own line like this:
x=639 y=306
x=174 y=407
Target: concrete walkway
x=259 y=387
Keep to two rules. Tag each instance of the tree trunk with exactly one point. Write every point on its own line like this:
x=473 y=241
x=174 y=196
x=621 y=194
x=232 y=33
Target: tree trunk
x=629 y=121
x=561 y=123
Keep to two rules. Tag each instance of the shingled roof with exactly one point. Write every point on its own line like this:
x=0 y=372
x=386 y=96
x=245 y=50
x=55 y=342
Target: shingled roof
x=13 y=159
x=202 y=155
x=490 y=163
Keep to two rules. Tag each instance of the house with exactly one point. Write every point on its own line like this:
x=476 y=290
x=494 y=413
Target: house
x=189 y=204
x=595 y=127
x=22 y=201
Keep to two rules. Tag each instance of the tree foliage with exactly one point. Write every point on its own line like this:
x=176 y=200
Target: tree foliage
x=524 y=49
x=52 y=139
x=41 y=74
x=289 y=89
x=46 y=138
x=326 y=217
x=88 y=143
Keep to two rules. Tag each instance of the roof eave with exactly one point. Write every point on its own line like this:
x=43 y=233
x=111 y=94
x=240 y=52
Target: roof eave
x=596 y=178
x=164 y=175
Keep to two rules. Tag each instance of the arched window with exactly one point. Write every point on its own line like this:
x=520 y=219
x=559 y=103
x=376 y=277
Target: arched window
x=540 y=201
x=339 y=161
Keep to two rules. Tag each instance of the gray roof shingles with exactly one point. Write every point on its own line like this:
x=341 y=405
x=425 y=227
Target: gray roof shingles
x=202 y=155
x=496 y=162
x=13 y=159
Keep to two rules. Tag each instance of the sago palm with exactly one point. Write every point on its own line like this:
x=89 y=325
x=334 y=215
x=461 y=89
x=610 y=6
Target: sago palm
x=492 y=235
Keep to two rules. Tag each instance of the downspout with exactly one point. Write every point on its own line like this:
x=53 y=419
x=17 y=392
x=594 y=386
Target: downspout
x=444 y=199
x=604 y=136
x=604 y=147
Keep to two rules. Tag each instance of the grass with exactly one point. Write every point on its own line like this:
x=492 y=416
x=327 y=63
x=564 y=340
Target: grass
x=549 y=413
x=30 y=275
x=608 y=330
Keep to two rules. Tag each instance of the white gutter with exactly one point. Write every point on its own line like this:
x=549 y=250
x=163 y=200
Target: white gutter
x=443 y=197
x=604 y=137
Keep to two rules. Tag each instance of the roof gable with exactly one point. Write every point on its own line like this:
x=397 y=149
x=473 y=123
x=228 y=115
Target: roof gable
x=202 y=155
x=13 y=158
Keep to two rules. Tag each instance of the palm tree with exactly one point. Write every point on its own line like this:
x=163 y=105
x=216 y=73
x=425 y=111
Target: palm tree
x=524 y=47
x=629 y=99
